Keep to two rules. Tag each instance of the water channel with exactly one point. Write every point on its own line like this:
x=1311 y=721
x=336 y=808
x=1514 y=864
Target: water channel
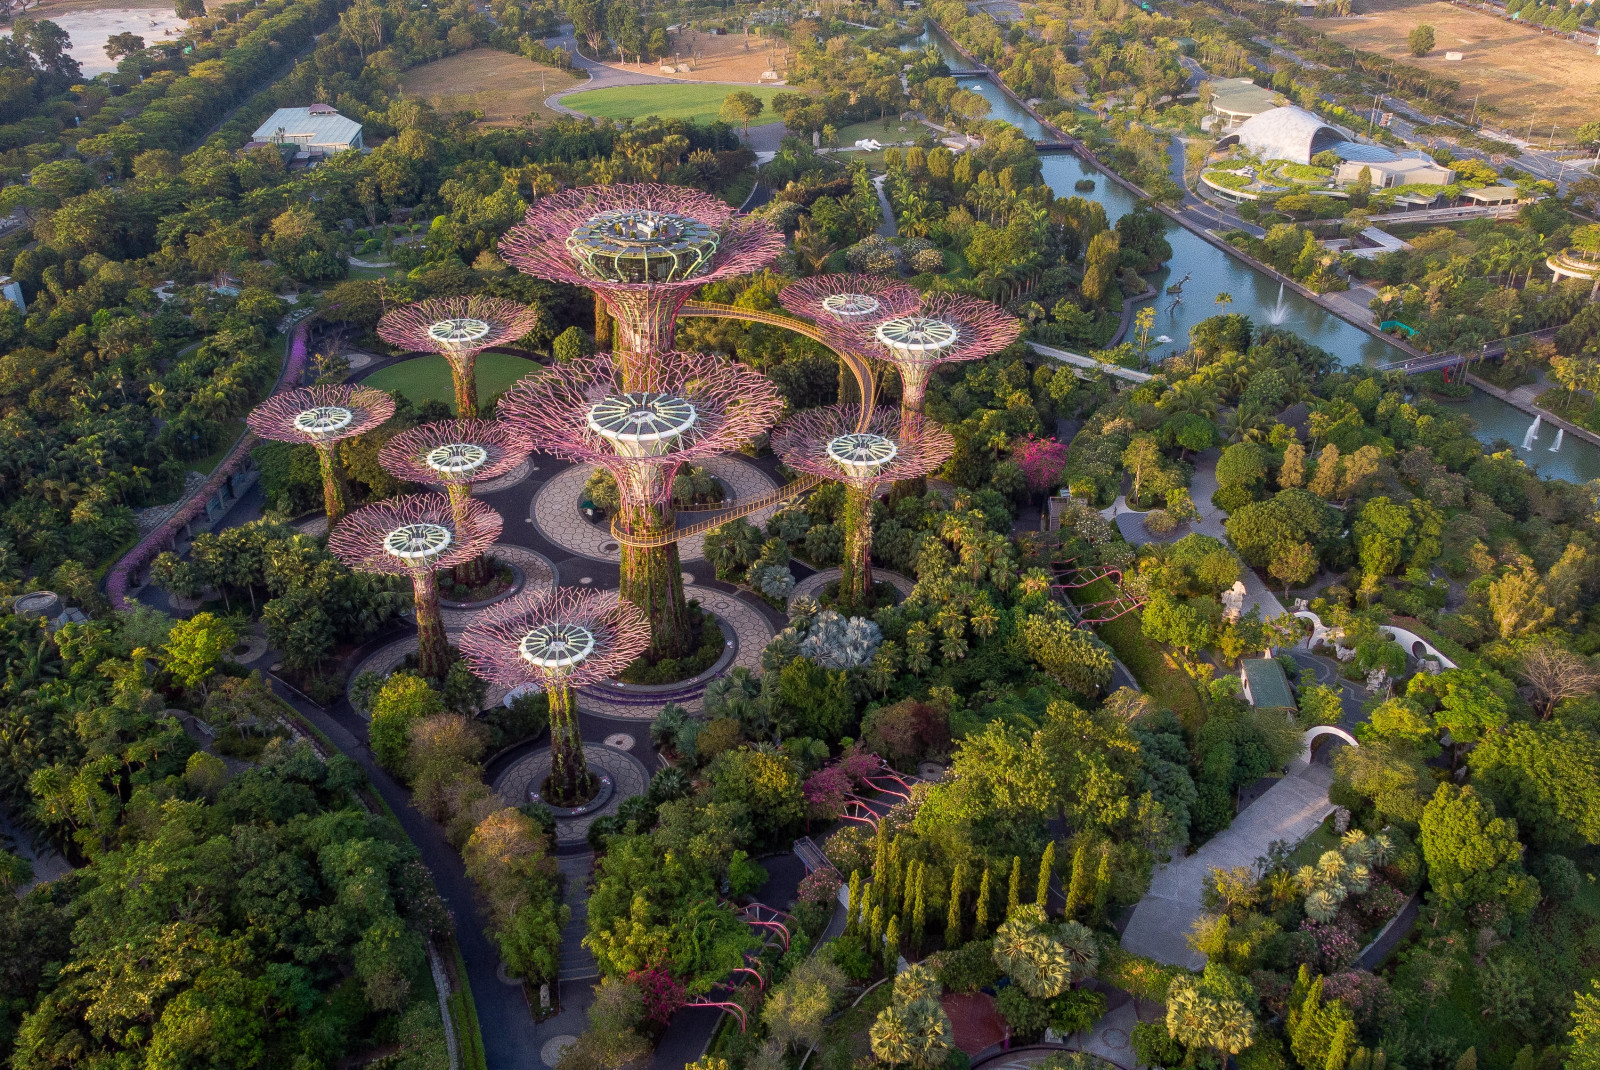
x=1212 y=271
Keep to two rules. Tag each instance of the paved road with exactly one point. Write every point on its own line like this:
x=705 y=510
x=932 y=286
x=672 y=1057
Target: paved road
x=1197 y=209
x=509 y=1034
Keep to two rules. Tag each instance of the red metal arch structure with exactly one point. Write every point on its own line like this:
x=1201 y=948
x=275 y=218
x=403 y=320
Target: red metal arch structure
x=1070 y=575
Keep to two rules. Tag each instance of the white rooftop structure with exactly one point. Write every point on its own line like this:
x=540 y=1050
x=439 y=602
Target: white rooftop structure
x=319 y=130
x=1287 y=133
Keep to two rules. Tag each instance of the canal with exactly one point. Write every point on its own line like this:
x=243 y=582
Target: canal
x=1211 y=272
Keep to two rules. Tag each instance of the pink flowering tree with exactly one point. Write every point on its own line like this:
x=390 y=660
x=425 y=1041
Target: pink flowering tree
x=1042 y=460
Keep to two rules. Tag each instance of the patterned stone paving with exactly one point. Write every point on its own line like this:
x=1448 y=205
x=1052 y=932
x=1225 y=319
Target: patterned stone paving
x=507 y=481
x=316 y=526
x=537 y=574
x=813 y=584
x=752 y=631
x=555 y=509
x=627 y=773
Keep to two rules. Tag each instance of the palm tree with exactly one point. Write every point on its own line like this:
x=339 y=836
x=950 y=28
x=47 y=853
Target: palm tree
x=893 y=1041
x=1224 y=299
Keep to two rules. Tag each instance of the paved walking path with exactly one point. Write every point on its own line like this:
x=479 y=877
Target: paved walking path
x=1201 y=488
x=577 y=961
x=1289 y=810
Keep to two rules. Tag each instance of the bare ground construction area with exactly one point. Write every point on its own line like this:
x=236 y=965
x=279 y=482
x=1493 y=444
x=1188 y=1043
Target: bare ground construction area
x=709 y=57
x=507 y=89
x=1517 y=73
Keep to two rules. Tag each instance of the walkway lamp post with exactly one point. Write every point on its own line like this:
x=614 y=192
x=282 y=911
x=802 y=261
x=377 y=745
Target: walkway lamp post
x=454 y=454
x=322 y=417
x=892 y=446
x=696 y=406
x=458 y=328
x=414 y=535
x=557 y=640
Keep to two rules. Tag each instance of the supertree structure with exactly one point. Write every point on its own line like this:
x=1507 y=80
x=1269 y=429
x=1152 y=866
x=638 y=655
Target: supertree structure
x=454 y=454
x=458 y=328
x=557 y=640
x=697 y=406
x=841 y=304
x=643 y=249
x=943 y=328
x=892 y=446
x=413 y=535
x=321 y=417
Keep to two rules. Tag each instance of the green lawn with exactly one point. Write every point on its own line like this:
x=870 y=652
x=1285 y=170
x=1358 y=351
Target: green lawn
x=686 y=100
x=1144 y=658
x=907 y=130
x=428 y=378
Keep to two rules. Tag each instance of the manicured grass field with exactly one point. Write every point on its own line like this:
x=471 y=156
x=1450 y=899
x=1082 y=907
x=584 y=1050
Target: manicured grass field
x=428 y=378
x=687 y=100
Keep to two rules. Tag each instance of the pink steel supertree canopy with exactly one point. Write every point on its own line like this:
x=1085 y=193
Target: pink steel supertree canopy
x=698 y=406
x=454 y=454
x=893 y=446
x=321 y=416
x=459 y=328
x=643 y=249
x=413 y=535
x=557 y=640
x=846 y=301
x=942 y=329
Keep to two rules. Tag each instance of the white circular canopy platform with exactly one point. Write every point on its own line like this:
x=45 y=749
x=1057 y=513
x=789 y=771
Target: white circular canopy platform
x=642 y=424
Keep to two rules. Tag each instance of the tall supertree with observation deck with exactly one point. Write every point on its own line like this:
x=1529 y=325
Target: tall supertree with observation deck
x=414 y=535
x=454 y=454
x=696 y=406
x=832 y=442
x=322 y=417
x=643 y=249
x=557 y=640
x=458 y=328
x=942 y=328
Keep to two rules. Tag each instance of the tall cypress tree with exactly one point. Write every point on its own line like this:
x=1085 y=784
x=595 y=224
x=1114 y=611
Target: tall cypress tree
x=1102 y=882
x=952 y=923
x=1081 y=887
x=1014 y=890
x=1047 y=862
x=980 y=921
x=891 y=946
x=854 y=909
x=880 y=855
x=919 y=909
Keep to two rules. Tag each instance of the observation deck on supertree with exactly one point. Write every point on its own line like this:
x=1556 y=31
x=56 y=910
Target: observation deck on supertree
x=454 y=454
x=700 y=406
x=643 y=249
x=321 y=417
x=915 y=336
x=458 y=328
x=839 y=304
x=557 y=640
x=413 y=535
x=892 y=447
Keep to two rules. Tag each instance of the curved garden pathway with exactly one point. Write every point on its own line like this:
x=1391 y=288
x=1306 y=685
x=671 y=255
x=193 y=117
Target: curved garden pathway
x=812 y=585
x=555 y=509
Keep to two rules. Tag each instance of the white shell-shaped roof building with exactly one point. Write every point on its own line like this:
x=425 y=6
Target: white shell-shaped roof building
x=1288 y=133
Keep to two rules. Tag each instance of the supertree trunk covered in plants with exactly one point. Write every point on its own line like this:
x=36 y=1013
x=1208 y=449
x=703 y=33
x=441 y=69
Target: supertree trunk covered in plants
x=913 y=333
x=697 y=406
x=892 y=446
x=322 y=417
x=454 y=454
x=643 y=249
x=413 y=535
x=558 y=641
x=458 y=328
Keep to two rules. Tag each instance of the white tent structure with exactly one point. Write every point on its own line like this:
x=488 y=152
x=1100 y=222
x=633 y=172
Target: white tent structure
x=1287 y=133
